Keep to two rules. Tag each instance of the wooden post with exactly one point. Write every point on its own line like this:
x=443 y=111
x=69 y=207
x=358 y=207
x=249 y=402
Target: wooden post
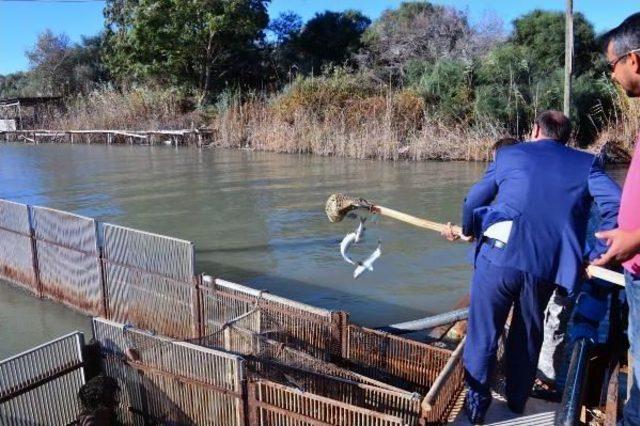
x=20 y=117
x=339 y=330
x=568 y=56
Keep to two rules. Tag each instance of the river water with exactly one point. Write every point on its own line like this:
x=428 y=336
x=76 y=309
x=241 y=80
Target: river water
x=255 y=218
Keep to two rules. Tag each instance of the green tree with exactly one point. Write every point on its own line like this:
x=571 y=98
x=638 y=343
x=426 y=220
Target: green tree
x=282 y=55
x=330 y=38
x=196 y=44
x=523 y=76
x=17 y=84
x=415 y=31
x=446 y=87
x=58 y=67
x=542 y=32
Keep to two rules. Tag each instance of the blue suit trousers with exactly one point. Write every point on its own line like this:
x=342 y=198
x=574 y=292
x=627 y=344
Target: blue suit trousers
x=494 y=289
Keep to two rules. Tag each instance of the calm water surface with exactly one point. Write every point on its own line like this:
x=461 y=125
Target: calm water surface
x=255 y=218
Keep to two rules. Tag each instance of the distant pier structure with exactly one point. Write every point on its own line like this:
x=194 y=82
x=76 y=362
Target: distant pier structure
x=27 y=112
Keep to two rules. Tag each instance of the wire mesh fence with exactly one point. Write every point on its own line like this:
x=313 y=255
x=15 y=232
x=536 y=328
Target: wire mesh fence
x=307 y=328
x=39 y=386
x=405 y=363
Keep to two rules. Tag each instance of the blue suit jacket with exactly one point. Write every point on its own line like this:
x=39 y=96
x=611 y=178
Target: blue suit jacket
x=547 y=190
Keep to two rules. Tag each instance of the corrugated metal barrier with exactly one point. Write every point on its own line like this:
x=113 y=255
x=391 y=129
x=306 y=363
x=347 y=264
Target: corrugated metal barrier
x=17 y=254
x=39 y=386
x=68 y=259
x=150 y=281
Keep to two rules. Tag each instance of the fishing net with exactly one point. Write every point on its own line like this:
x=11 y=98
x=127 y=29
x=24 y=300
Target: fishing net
x=339 y=205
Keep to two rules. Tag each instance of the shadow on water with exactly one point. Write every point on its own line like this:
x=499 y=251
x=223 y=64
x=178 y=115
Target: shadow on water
x=364 y=310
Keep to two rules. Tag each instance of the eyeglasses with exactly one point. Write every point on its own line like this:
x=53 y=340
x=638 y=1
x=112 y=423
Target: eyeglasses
x=612 y=64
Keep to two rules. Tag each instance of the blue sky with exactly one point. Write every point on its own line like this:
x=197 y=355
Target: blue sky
x=22 y=21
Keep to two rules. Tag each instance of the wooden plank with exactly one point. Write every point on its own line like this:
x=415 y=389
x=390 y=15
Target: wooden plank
x=611 y=409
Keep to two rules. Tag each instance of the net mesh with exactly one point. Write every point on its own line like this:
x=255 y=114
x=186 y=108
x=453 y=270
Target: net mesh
x=338 y=205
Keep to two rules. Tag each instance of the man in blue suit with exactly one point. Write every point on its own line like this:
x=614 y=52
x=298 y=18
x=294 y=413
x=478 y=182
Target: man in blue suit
x=529 y=216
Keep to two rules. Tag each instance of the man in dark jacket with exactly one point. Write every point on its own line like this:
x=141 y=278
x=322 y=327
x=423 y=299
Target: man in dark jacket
x=533 y=203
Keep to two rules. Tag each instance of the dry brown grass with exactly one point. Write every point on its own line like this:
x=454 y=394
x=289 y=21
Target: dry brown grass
x=391 y=126
x=618 y=136
x=136 y=109
x=324 y=116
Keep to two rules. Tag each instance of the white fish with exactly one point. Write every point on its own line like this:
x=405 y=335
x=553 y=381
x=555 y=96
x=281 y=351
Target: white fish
x=360 y=230
x=367 y=264
x=346 y=242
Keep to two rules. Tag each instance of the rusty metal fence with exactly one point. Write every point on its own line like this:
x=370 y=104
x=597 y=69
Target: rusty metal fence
x=171 y=382
x=68 y=259
x=17 y=253
x=39 y=386
x=278 y=405
x=101 y=269
x=313 y=330
x=150 y=281
x=404 y=363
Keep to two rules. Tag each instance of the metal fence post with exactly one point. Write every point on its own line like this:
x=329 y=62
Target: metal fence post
x=34 y=255
x=103 y=283
x=196 y=307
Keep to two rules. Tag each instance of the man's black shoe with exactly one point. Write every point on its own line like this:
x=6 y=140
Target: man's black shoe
x=545 y=392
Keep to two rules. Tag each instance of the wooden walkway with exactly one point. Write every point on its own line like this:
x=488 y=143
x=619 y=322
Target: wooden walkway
x=197 y=137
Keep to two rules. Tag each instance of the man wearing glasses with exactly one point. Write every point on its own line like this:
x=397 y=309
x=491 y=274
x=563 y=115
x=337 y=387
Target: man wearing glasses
x=622 y=46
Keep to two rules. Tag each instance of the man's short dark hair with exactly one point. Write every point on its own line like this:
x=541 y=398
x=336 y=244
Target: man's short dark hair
x=554 y=125
x=504 y=142
x=625 y=37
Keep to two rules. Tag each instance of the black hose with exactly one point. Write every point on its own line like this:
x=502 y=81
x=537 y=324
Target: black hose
x=569 y=412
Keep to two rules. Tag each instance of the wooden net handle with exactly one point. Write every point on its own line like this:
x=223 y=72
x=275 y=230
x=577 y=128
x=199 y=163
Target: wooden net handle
x=606 y=275
x=412 y=220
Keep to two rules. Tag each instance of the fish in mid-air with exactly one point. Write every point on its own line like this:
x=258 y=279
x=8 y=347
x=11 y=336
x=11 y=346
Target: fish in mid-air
x=346 y=242
x=360 y=230
x=349 y=239
x=367 y=264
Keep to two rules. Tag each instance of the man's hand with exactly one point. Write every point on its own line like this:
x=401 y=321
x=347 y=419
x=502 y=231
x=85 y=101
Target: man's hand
x=623 y=245
x=449 y=234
